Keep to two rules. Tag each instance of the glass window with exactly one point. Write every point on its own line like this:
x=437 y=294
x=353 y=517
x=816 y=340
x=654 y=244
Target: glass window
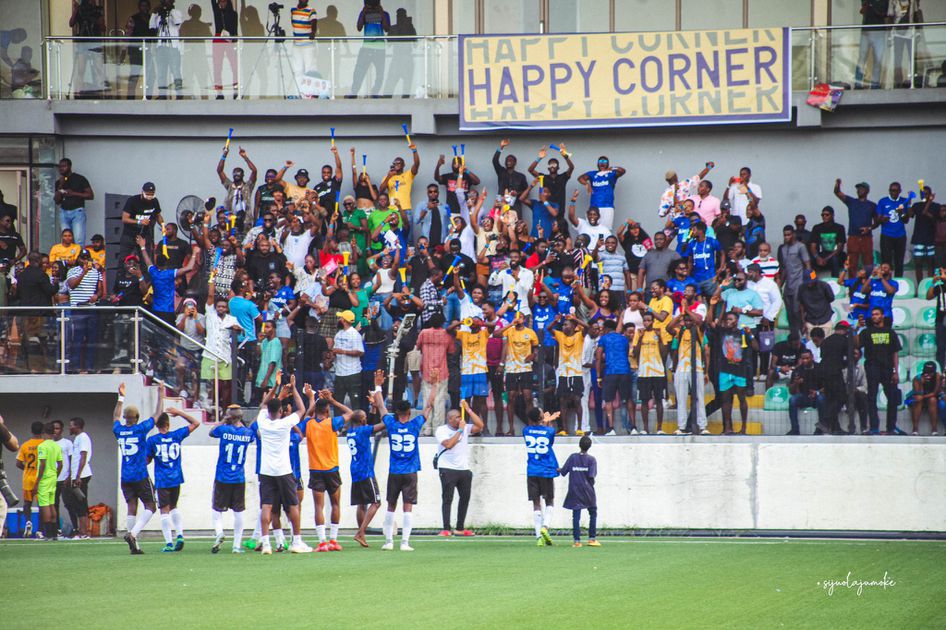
x=779 y=13
x=464 y=17
x=844 y=12
x=21 y=49
x=579 y=16
x=511 y=16
x=644 y=15
x=705 y=15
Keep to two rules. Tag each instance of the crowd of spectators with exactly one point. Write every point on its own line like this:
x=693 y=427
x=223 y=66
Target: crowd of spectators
x=510 y=300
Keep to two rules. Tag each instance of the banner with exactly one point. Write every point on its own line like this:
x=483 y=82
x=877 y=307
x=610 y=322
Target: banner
x=624 y=79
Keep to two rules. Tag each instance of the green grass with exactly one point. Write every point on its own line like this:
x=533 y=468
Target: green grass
x=486 y=582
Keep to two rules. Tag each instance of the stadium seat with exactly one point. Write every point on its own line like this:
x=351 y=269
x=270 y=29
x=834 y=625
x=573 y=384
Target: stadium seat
x=925 y=345
x=839 y=291
x=904 y=344
x=781 y=336
x=906 y=289
x=781 y=322
x=926 y=320
x=924 y=287
x=882 y=398
x=902 y=318
x=904 y=371
x=776 y=398
x=916 y=365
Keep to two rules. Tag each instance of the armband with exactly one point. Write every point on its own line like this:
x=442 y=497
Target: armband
x=121 y=399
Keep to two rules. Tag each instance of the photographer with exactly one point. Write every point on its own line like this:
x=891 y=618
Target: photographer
x=7 y=498
x=167 y=21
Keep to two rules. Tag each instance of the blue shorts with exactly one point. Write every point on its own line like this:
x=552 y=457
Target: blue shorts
x=473 y=385
x=923 y=251
x=728 y=381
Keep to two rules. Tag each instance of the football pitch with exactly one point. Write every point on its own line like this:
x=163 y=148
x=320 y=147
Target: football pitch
x=484 y=582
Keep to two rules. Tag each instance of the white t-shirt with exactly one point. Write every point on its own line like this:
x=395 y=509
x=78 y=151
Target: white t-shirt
x=348 y=340
x=66 y=447
x=217 y=332
x=469 y=309
x=458 y=457
x=633 y=318
x=81 y=444
x=522 y=286
x=740 y=201
x=593 y=232
x=296 y=247
x=274 y=443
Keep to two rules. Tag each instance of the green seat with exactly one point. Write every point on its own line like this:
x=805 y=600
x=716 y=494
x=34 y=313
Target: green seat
x=904 y=344
x=781 y=321
x=925 y=345
x=902 y=318
x=782 y=336
x=776 y=398
x=882 y=398
x=908 y=262
x=906 y=289
x=926 y=320
x=925 y=285
x=916 y=365
x=904 y=371
x=839 y=291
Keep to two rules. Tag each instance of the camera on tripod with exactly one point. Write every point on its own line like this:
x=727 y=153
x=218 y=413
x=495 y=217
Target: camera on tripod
x=275 y=7
x=277 y=31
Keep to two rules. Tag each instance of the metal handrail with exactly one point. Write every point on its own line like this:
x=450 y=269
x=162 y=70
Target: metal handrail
x=125 y=309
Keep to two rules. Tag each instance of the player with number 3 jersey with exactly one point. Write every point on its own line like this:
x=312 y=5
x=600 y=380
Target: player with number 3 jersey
x=541 y=470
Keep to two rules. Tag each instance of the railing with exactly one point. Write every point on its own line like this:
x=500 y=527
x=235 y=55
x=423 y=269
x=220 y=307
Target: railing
x=193 y=68
x=104 y=340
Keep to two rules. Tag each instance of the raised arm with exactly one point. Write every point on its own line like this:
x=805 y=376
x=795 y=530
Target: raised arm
x=159 y=407
x=837 y=189
x=192 y=422
x=572 y=216
x=117 y=414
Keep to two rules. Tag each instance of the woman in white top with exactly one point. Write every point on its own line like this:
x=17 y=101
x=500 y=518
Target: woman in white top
x=633 y=314
x=383 y=283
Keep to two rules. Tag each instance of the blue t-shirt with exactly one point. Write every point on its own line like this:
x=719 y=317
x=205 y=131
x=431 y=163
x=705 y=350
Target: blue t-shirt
x=542 y=316
x=704 y=258
x=860 y=214
x=602 y=188
x=372 y=357
x=294 y=440
x=677 y=286
x=131 y=443
x=879 y=297
x=165 y=450
x=259 y=452
x=245 y=313
x=282 y=297
x=541 y=460
x=887 y=207
x=616 y=347
x=162 y=281
x=403 y=438
x=859 y=299
x=231 y=456
x=565 y=293
x=747 y=299
x=362 y=459
x=542 y=216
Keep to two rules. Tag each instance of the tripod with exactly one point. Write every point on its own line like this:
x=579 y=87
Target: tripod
x=278 y=44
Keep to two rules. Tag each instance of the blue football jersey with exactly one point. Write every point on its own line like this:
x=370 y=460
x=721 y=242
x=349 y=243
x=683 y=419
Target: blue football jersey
x=294 y=440
x=362 y=459
x=165 y=450
x=259 y=452
x=234 y=442
x=131 y=443
x=541 y=458
x=403 y=438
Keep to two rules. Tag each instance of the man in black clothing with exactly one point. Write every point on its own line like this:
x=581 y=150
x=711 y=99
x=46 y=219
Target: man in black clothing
x=805 y=387
x=450 y=181
x=465 y=266
x=12 y=247
x=837 y=353
x=34 y=288
x=554 y=180
x=814 y=301
x=72 y=191
x=8 y=209
x=329 y=186
x=880 y=345
x=178 y=250
x=938 y=290
x=827 y=243
x=420 y=264
x=508 y=178
x=139 y=217
x=129 y=289
x=263 y=261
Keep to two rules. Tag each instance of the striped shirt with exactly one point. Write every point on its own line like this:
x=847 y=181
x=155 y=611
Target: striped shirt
x=302 y=21
x=769 y=265
x=613 y=265
x=80 y=294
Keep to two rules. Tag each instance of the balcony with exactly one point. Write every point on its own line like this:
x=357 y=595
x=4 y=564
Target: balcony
x=254 y=68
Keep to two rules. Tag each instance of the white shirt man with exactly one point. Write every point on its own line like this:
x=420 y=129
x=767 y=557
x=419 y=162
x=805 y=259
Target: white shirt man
x=587 y=361
x=739 y=201
x=81 y=444
x=522 y=286
x=169 y=27
x=458 y=457
x=217 y=331
x=350 y=339
x=771 y=297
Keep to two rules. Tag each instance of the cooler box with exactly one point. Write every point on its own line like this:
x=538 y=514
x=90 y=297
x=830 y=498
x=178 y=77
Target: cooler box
x=16 y=522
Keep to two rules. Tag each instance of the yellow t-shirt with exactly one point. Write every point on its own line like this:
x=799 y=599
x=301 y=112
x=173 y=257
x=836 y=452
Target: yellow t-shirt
x=27 y=455
x=649 y=363
x=663 y=304
x=298 y=193
x=402 y=189
x=569 y=356
x=98 y=257
x=63 y=252
x=474 y=351
x=520 y=344
x=684 y=350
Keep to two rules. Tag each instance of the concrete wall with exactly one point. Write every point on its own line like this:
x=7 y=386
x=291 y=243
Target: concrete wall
x=669 y=483
x=795 y=167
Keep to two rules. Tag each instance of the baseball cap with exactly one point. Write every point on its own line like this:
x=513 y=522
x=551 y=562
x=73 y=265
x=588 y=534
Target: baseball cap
x=131 y=257
x=303 y=172
x=670 y=174
x=842 y=324
x=148 y=187
x=862 y=185
x=348 y=316
x=84 y=253
x=190 y=301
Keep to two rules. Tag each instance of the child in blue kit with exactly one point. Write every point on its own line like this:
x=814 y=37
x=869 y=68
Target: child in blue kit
x=582 y=469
